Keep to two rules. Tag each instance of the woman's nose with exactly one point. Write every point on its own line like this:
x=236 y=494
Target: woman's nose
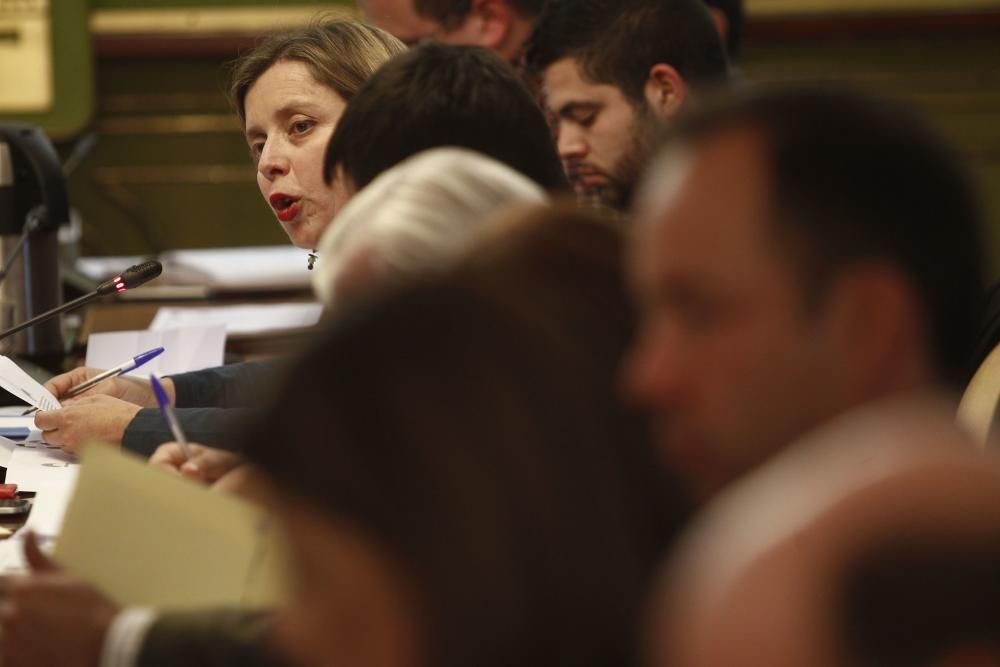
x=273 y=161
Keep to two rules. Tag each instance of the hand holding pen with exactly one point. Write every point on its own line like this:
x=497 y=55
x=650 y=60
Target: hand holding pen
x=121 y=369
x=170 y=416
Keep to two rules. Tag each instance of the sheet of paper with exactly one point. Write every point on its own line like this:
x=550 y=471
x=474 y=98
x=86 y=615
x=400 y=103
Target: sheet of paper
x=146 y=537
x=102 y=268
x=7 y=448
x=34 y=466
x=19 y=421
x=11 y=417
x=242 y=320
x=25 y=387
x=49 y=507
x=185 y=349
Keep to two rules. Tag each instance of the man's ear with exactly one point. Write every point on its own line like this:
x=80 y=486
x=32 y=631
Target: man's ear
x=721 y=22
x=487 y=24
x=879 y=329
x=665 y=91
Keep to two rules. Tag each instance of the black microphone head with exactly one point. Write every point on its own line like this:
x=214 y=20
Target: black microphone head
x=131 y=277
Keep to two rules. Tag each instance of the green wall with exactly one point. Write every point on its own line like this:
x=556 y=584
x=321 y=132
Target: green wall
x=170 y=168
x=954 y=79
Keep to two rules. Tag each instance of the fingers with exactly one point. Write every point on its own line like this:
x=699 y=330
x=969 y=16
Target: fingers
x=60 y=384
x=168 y=457
x=49 y=420
x=37 y=559
x=208 y=464
x=102 y=418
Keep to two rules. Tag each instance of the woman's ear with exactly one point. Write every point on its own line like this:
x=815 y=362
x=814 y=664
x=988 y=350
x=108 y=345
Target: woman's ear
x=665 y=91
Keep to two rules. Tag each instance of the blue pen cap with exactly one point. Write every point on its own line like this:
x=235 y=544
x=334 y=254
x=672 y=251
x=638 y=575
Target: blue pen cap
x=140 y=359
x=161 y=393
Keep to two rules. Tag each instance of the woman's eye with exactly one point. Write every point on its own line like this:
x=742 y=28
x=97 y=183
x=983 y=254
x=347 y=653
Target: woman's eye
x=256 y=149
x=300 y=126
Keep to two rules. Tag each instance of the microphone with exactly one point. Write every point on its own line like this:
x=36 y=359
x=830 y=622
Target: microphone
x=130 y=278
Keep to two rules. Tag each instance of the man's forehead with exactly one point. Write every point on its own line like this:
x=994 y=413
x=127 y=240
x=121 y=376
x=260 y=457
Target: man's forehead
x=709 y=196
x=565 y=81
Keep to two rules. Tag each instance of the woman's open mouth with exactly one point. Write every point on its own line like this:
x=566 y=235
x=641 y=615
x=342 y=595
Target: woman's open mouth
x=285 y=206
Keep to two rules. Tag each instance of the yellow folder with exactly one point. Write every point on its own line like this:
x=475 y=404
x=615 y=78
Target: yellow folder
x=146 y=537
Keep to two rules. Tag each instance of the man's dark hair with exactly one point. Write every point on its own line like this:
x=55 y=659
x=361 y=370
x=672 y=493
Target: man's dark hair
x=438 y=95
x=735 y=18
x=450 y=13
x=617 y=42
x=854 y=179
x=911 y=603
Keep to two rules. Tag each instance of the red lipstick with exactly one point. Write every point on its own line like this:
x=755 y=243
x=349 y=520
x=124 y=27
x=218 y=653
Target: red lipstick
x=286 y=207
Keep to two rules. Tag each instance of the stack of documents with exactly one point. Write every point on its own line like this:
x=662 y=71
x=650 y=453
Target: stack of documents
x=253 y=268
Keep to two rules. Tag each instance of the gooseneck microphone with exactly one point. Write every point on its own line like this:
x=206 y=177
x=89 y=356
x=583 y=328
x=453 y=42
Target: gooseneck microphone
x=130 y=278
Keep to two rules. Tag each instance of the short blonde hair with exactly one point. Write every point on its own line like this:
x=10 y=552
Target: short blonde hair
x=341 y=54
x=418 y=217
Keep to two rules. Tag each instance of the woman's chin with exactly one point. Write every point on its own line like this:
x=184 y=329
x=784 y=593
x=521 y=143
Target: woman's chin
x=301 y=238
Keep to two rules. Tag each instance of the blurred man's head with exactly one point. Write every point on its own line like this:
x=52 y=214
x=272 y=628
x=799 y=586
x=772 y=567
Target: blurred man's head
x=613 y=71
x=500 y=25
x=798 y=252
x=877 y=544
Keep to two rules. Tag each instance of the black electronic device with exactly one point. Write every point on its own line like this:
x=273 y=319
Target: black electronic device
x=33 y=204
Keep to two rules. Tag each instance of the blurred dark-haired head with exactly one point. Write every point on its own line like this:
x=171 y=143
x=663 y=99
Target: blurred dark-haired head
x=807 y=250
x=469 y=428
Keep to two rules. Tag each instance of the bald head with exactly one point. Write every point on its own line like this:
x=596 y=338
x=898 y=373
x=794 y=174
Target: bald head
x=779 y=569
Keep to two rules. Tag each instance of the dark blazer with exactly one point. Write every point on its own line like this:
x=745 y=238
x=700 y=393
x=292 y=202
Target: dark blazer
x=211 y=405
x=217 y=638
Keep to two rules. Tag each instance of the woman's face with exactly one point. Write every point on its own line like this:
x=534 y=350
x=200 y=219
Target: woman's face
x=289 y=119
x=351 y=605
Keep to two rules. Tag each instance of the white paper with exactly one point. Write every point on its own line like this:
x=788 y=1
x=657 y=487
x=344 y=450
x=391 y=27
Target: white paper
x=6 y=451
x=254 y=267
x=49 y=505
x=11 y=417
x=25 y=387
x=34 y=466
x=102 y=268
x=242 y=320
x=185 y=349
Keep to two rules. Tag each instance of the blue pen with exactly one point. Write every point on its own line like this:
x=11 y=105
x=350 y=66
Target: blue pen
x=120 y=369
x=169 y=415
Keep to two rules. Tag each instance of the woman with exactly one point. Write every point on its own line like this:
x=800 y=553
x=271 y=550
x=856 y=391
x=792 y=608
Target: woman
x=289 y=93
x=458 y=480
